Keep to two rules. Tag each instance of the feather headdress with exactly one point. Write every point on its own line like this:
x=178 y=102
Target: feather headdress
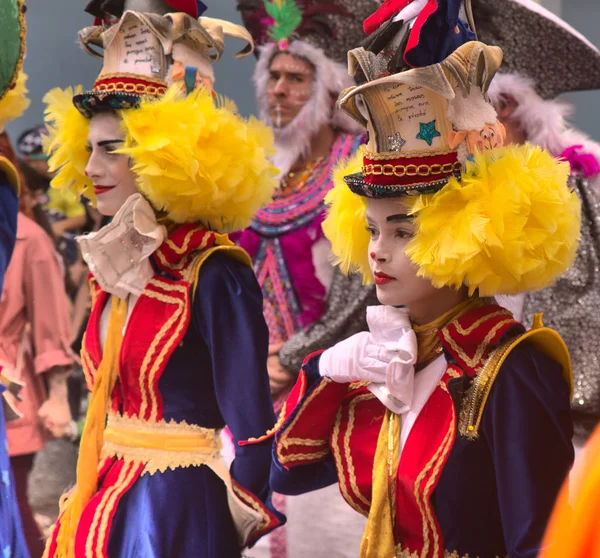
x=510 y=224
x=287 y=17
x=196 y=159
x=334 y=26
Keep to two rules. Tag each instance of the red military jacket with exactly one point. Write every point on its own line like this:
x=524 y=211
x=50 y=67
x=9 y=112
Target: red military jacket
x=325 y=421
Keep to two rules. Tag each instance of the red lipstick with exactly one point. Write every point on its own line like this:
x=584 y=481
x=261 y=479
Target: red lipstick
x=382 y=278
x=102 y=189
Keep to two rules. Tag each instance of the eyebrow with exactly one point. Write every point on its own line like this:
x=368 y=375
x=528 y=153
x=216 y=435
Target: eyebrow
x=399 y=217
x=290 y=74
x=107 y=142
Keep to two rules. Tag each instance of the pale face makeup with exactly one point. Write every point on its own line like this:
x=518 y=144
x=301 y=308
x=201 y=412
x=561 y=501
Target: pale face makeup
x=390 y=229
x=289 y=88
x=110 y=172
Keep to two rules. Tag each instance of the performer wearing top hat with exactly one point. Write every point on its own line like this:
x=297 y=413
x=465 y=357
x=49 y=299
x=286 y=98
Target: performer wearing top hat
x=551 y=59
x=176 y=344
x=447 y=424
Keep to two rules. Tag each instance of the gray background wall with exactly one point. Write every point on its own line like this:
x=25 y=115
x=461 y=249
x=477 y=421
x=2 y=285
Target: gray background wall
x=54 y=59
x=584 y=15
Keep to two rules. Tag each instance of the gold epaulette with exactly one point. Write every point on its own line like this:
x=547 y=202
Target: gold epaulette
x=545 y=339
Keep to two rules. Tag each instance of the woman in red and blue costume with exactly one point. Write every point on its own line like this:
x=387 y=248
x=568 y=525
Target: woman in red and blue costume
x=176 y=345
x=446 y=424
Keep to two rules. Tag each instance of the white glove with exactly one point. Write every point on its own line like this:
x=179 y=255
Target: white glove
x=357 y=358
x=385 y=356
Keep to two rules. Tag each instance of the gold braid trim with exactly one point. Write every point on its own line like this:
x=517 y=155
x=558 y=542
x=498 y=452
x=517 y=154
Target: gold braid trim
x=107 y=512
x=447 y=444
x=276 y=427
x=152 y=362
x=347 y=453
x=123 y=75
x=339 y=464
x=87 y=365
x=483 y=347
x=477 y=323
x=410 y=170
x=421 y=499
x=475 y=399
x=393 y=155
x=293 y=457
x=283 y=436
x=180 y=250
x=476 y=396
x=265 y=519
x=304 y=442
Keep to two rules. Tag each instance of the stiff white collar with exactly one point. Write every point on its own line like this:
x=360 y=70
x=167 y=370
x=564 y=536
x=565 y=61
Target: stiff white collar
x=118 y=254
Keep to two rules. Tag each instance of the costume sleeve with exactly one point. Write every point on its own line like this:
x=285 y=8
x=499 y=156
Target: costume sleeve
x=47 y=304
x=302 y=459
x=228 y=315
x=344 y=316
x=9 y=208
x=527 y=422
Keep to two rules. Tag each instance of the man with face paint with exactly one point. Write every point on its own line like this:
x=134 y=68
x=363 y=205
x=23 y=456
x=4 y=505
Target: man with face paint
x=525 y=95
x=176 y=344
x=300 y=72
x=446 y=424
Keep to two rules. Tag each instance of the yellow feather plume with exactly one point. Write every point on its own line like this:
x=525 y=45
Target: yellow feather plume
x=345 y=225
x=15 y=102
x=197 y=160
x=66 y=141
x=510 y=225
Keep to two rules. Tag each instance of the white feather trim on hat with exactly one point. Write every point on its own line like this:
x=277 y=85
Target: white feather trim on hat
x=472 y=112
x=543 y=122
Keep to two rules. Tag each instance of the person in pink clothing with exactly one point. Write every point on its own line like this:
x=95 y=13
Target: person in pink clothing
x=35 y=346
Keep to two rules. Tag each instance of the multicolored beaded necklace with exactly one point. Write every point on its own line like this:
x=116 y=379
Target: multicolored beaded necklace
x=292 y=208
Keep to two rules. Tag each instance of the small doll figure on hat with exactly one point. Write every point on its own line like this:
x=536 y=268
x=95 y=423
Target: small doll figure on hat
x=475 y=125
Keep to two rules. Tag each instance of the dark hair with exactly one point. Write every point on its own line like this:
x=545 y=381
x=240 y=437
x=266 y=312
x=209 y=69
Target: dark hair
x=35 y=182
x=37 y=213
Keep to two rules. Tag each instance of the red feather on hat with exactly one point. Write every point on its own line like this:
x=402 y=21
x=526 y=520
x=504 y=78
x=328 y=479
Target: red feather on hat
x=387 y=10
x=189 y=7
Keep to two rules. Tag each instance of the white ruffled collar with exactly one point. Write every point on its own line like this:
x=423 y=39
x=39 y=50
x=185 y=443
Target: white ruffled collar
x=118 y=254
